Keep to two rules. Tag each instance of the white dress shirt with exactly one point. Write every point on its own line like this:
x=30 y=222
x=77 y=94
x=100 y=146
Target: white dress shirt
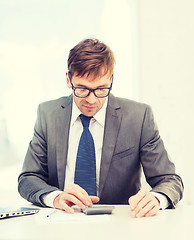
x=96 y=128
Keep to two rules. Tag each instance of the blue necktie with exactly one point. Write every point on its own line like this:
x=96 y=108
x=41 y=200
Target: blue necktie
x=85 y=170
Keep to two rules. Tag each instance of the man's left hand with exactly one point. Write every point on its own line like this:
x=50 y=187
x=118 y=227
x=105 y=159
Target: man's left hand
x=144 y=204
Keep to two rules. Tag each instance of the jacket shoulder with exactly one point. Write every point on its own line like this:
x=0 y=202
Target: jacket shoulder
x=53 y=105
x=130 y=106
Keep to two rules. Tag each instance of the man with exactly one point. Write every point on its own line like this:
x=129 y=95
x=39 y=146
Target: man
x=122 y=137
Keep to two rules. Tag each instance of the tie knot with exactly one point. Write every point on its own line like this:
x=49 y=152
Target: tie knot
x=85 y=120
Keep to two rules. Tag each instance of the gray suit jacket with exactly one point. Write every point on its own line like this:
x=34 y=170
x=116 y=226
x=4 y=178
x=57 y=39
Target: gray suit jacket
x=131 y=141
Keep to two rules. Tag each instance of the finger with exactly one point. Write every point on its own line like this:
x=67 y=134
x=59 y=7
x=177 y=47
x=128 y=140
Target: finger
x=80 y=189
x=140 y=206
x=60 y=203
x=73 y=200
x=144 y=201
x=66 y=208
x=79 y=193
x=146 y=209
x=94 y=199
x=65 y=200
x=145 y=205
x=89 y=200
x=153 y=211
x=135 y=199
x=149 y=197
x=85 y=194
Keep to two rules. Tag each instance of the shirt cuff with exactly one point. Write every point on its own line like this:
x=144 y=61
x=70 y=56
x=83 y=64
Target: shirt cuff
x=162 y=199
x=49 y=198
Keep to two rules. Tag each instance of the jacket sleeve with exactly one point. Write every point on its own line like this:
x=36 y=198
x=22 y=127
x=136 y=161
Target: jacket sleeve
x=158 y=168
x=33 y=182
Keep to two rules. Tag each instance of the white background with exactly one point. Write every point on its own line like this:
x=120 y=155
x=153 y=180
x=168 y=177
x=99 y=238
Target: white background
x=153 y=45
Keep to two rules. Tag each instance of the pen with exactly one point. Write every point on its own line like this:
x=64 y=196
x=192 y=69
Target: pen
x=49 y=215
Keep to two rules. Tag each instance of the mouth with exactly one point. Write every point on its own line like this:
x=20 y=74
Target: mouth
x=89 y=107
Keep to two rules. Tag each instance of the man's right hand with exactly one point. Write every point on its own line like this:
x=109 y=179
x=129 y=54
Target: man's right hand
x=74 y=195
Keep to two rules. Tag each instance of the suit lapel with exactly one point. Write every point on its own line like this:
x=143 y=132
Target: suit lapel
x=62 y=126
x=112 y=125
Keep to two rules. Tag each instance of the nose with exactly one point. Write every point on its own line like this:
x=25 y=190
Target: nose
x=91 y=98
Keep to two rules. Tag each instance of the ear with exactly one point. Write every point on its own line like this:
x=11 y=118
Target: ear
x=67 y=80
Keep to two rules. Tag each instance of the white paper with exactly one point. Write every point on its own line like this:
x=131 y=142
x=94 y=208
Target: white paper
x=55 y=216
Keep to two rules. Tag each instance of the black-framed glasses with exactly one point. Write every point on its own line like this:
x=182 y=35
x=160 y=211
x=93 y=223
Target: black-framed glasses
x=85 y=92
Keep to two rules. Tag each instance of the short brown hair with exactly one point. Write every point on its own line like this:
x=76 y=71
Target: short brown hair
x=91 y=56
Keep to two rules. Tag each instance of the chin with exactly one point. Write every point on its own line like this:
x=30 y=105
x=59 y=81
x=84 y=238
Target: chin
x=89 y=113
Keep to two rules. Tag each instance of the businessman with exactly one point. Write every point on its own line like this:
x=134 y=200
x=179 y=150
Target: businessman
x=90 y=146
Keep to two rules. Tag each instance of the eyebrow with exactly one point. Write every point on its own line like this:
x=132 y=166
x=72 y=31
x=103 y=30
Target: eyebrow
x=101 y=86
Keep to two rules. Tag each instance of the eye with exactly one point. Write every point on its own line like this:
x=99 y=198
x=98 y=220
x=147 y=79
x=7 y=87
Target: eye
x=82 y=89
x=101 y=90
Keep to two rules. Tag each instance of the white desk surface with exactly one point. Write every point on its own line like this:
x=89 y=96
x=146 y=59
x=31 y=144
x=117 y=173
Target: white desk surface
x=168 y=224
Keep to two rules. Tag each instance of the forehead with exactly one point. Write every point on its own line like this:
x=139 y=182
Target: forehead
x=92 y=81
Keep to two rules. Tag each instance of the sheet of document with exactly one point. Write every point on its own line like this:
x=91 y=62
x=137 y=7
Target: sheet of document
x=54 y=216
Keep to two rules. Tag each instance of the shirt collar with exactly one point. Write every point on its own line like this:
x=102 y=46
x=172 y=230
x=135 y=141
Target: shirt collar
x=99 y=116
